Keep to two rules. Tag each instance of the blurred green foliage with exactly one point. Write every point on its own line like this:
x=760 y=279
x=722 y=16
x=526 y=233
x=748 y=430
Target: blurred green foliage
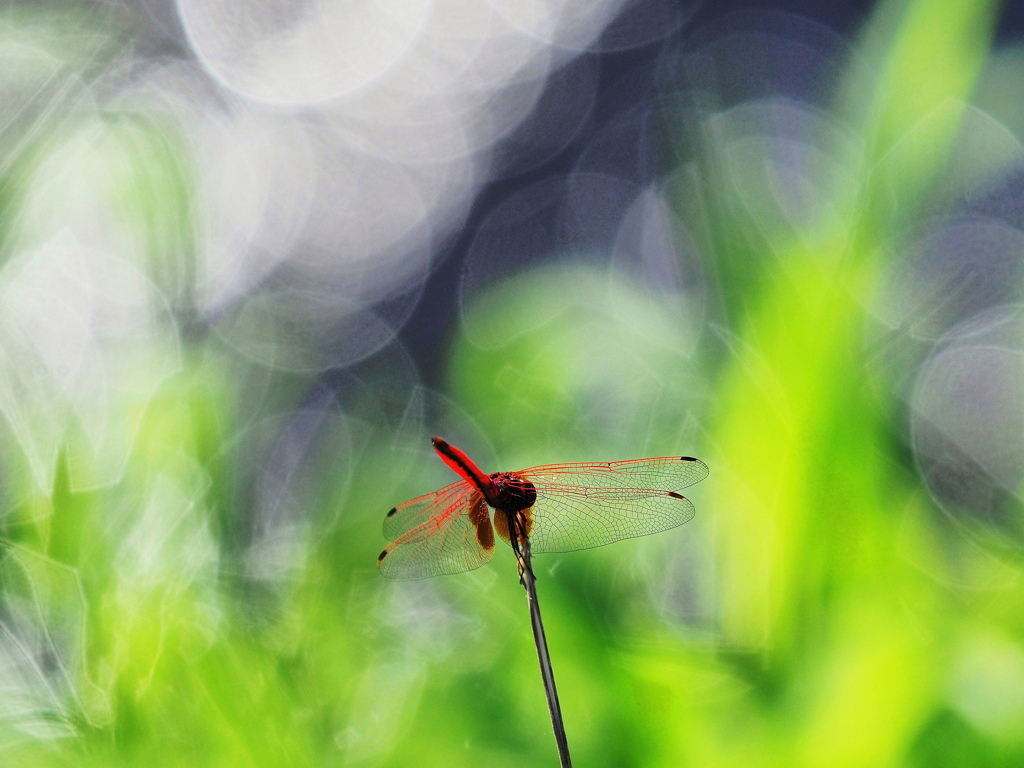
x=192 y=582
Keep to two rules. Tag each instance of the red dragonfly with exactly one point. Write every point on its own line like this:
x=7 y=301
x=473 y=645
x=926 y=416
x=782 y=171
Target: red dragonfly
x=560 y=508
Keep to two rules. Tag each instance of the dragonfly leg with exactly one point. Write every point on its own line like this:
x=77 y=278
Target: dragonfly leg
x=518 y=525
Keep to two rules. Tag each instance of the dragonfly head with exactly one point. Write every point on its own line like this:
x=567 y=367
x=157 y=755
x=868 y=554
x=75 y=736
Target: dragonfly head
x=513 y=498
x=513 y=492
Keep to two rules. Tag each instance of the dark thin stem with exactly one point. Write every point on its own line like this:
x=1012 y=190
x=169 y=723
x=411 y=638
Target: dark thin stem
x=521 y=546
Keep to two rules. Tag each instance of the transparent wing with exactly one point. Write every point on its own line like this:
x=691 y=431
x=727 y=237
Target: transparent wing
x=580 y=506
x=667 y=473
x=459 y=538
x=407 y=516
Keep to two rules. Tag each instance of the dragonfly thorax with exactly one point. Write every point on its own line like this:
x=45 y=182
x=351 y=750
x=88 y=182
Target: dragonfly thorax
x=513 y=492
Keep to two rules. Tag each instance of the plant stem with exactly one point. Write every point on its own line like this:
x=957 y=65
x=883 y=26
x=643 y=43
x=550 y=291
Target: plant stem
x=521 y=547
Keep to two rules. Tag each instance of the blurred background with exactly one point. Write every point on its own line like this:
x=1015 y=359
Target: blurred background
x=253 y=254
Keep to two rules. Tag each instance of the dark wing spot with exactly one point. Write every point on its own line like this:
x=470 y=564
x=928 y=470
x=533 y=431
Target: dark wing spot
x=673 y=494
x=687 y=458
x=479 y=516
x=393 y=510
x=381 y=556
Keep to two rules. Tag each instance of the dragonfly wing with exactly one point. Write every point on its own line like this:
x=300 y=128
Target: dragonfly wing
x=668 y=473
x=580 y=506
x=460 y=538
x=405 y=517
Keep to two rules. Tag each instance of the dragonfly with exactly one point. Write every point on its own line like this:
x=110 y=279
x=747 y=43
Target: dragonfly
x=551 y=508
x=560 y=508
